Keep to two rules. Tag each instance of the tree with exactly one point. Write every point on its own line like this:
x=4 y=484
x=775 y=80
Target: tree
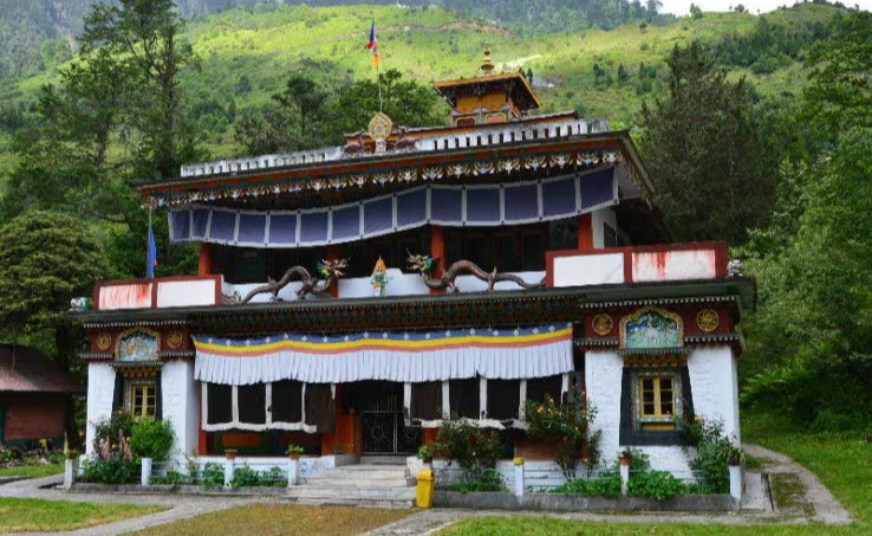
x=122 y=92
x=406 y=102
x=46 y=259
x=703 y=147
x=695 y=12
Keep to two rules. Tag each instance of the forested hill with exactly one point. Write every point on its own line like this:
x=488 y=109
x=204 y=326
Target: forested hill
x=40 y=33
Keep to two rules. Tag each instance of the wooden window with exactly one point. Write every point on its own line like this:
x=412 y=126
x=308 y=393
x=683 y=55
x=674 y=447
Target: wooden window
x=657 y=402
x=142 y=398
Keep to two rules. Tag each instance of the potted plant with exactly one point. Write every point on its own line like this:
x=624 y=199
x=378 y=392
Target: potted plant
x=735 y=456
x=625 y=457
x=230 y=454
x=427 y=452
x=293 y=451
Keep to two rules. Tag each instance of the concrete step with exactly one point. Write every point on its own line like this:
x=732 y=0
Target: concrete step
x=357 y=485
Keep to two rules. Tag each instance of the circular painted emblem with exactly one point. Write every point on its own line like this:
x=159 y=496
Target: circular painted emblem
x=380 y=127
x=104 y=341
x=602 y=324
x=174 y=340
x=707 y=320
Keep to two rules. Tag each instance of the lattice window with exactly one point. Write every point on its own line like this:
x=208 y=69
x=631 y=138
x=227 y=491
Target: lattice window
x=142 y=398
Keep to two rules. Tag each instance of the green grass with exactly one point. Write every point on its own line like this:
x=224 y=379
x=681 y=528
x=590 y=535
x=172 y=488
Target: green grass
x=843 y=462
x=37 y=515
x=276 y=519
x=33 y=471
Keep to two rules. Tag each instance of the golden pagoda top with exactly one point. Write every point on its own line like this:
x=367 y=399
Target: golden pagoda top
x=488 y=97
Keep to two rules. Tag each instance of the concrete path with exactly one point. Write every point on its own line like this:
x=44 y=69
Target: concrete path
x=815 y=495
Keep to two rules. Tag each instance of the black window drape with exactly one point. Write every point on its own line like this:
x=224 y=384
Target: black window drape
x=287 y=401
x=219 y=408
x=463 y=396
x=426 y=401
x=320 y=412
x=503 y=399
x=252 y=403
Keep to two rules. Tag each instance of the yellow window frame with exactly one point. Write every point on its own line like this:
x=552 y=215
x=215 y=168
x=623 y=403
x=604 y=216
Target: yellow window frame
x=657 y=419
x=146 y=405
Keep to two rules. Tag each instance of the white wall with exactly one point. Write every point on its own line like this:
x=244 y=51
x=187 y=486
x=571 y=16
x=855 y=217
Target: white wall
x=713 y=381
x=101 y=390
x=181 y=405
x=598 y=218
x=186 y=293
x=602 y=376
x=580 y=270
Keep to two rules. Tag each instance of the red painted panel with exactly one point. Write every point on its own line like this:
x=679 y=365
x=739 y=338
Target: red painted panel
x=34 y=416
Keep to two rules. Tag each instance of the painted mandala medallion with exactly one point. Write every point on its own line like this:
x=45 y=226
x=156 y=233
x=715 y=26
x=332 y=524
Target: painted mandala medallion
x=602 y=324
x=104 y=341
x=707 y=320
x=380 y=127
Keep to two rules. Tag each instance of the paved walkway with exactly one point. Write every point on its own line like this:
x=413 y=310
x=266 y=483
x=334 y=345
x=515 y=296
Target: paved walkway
x=815 y=495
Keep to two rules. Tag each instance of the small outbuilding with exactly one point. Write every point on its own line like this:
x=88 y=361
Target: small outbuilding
x=35 y=397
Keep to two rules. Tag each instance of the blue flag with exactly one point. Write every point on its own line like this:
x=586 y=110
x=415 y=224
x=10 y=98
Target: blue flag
x=152 y=254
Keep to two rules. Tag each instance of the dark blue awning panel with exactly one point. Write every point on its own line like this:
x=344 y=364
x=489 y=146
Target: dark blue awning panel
x=486 y=205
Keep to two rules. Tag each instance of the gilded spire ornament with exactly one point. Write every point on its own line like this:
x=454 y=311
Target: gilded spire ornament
x=486 y=64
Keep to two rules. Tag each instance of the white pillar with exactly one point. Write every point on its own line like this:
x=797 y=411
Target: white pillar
x=71 y=470
x=520 y=485
x=145 y=476
x=293 y=472
x=625 y=479
x=735 y=481
x=229 y=470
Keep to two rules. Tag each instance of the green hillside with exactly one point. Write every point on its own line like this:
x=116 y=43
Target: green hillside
x=246 y=56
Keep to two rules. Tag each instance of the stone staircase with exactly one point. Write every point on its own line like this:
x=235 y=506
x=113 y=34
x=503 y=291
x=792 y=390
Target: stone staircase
x=390 y=486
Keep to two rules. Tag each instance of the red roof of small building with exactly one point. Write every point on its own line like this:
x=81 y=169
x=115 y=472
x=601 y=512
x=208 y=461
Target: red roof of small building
x=25 y=369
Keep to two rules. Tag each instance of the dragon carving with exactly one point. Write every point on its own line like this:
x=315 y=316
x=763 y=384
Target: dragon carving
x=424 y=265
x=329 y=270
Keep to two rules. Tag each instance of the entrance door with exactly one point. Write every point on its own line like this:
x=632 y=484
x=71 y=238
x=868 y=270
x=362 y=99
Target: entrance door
x=381 y=409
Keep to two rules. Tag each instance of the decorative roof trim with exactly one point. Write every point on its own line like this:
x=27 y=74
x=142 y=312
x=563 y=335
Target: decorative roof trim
x=138 y=323
x=653 y=351
x=96 y=356
x=658 y=301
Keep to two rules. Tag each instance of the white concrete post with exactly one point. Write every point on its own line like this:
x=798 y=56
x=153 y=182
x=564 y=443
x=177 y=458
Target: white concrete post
x=293 y=472
x=735 y=481
x=229 y=471
x=625 y=479
x=520 y=485
x=145 y=476
x=71 y=471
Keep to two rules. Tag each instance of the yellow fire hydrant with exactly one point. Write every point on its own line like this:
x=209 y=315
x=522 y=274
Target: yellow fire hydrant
x=424 y=495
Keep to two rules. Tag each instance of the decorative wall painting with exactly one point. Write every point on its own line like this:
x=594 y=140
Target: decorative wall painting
x=651 y=327
x=138 y=346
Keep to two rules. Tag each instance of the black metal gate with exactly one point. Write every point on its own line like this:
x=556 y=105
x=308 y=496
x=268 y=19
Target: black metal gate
x=384 y=428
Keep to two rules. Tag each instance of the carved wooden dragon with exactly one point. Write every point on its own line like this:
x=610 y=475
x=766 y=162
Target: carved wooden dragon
x=329 y=270
x=424 y=264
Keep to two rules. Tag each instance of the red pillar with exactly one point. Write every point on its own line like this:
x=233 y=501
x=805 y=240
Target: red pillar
x=204 y=267
x=437 y=250
x=332 y=255
x=585 y=231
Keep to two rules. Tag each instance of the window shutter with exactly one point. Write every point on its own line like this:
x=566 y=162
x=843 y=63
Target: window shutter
x=158 y=398
x=118 y=395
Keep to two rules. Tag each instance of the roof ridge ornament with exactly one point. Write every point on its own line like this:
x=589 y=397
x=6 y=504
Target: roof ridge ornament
x=486 y=64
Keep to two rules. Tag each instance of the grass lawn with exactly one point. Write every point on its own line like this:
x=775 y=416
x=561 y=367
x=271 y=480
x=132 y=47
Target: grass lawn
x=842 y=461
x=30 y=515
x=33 y=471
x=275 y=519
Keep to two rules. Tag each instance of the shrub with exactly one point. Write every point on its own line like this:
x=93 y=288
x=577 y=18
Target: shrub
x=713 y=451
x=152 y=439
x=212 y=475
x=608 y=484
x=112 y=470
x=476 y=450
x=488 y=480
x=245 y=476
x=660 y=485
x=567 y=425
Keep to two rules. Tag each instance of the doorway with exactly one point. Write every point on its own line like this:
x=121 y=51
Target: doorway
x=380 y=405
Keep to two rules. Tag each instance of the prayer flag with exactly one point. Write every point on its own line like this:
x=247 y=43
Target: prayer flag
x=373 y=44
x=152 y=254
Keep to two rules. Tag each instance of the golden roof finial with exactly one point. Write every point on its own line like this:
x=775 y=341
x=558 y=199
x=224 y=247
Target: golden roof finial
x=486 y=65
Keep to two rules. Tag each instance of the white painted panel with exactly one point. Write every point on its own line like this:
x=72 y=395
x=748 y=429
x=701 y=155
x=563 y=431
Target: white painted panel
x=132 y=296
x=599 y=218
x=713 y=383
x=101 y=391
x=185 y=293
x=580 y=270
x=602 y=376
x=674 y=265
x=181 y=406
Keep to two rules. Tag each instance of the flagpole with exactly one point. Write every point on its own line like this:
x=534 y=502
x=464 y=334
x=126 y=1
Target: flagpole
x=378 y=81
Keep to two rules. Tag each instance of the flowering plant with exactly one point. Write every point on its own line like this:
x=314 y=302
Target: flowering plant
x=568 y=425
